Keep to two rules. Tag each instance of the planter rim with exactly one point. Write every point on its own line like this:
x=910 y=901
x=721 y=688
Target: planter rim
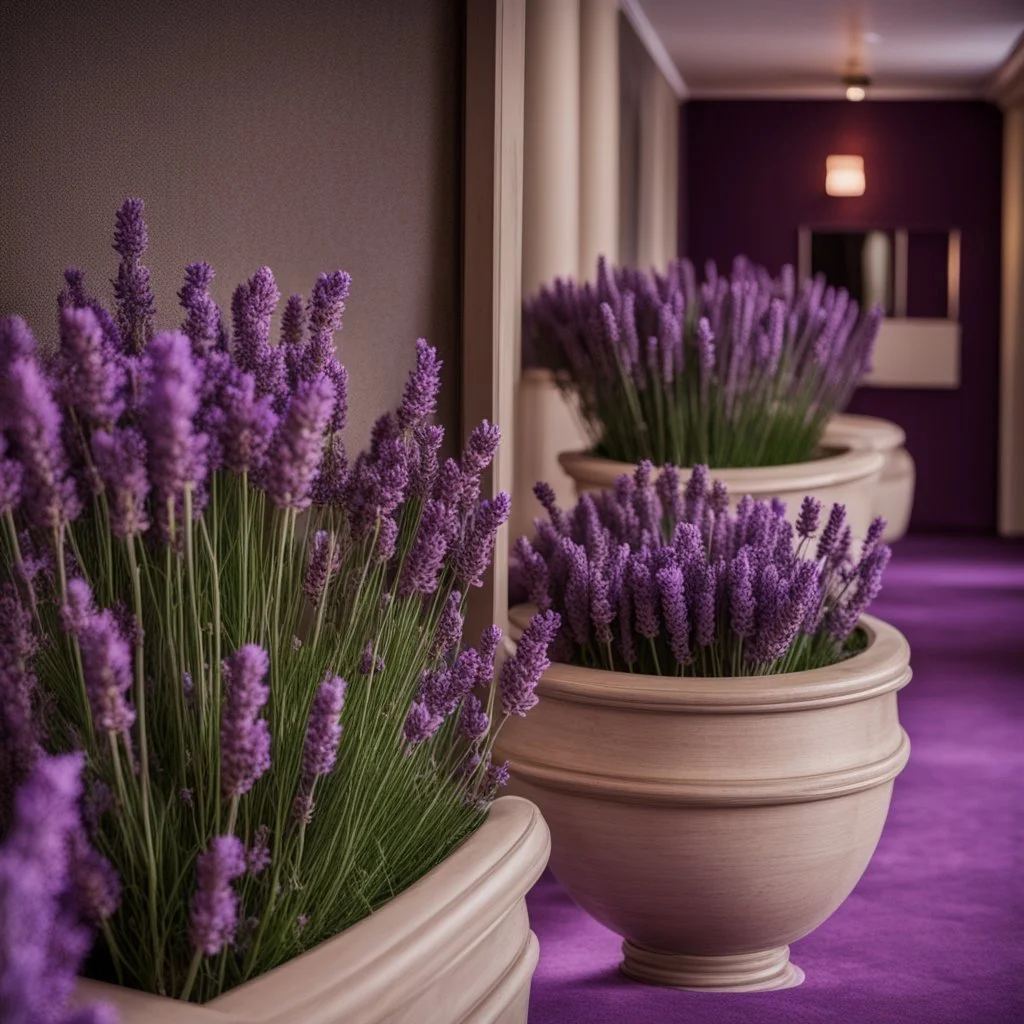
x=870 y=431
x=883 y=666
x=369 y=970
x=843 y=465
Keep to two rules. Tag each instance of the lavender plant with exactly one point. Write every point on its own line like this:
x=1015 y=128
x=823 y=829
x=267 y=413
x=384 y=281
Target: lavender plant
x=257 y=644
x=51 y=884
x=650 y=580
x=740 y=372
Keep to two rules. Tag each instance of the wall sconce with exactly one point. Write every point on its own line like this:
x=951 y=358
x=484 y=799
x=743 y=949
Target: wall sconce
x=844 y=175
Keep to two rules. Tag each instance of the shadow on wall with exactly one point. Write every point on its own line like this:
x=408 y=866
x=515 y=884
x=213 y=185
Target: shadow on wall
x=755 y=172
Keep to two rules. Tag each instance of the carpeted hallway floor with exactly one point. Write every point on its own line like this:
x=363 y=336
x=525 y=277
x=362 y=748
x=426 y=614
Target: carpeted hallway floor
x=934 y=933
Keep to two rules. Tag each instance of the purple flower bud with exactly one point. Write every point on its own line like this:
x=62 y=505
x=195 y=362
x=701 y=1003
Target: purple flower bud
x=252 y=307
x=257 y=857
x=645 y=598
x=213 y=912
x=694 y=494
x=120 y=460
x=741 y=594
x=135 y=305
x=175 y=451
x=420 y=724
x=448 y=635
x=830 y=535
x=423 y=565
x=705 y=609
x=91 y=378
x=202 y=324
x=420 y=397
x=244 y=737
x=107 y=671
x=327 y=306
x=809 y=518
x=473 y=722
x=487 y=650
x=522 y=671
x=423 y=471
x=673 y=602
x=577 y=592
x=474 y=554
x=296 y=450
x=668 y=488
x=324 y=729
x=324 y=561
x=293 y=322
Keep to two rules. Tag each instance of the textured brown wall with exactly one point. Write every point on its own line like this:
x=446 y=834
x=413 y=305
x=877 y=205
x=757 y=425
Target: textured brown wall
x=307 y=136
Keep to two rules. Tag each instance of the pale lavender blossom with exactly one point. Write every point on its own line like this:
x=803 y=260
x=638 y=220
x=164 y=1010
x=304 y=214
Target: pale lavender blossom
x=521 y=673
x=296 y=450
x=202 y=323
x=420 y=397
x=120 y=460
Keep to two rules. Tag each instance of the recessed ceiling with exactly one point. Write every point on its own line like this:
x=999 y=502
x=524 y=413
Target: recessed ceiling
x=803 y=47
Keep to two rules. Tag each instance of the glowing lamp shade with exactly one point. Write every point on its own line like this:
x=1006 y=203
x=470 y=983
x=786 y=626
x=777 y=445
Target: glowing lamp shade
x=844 y=175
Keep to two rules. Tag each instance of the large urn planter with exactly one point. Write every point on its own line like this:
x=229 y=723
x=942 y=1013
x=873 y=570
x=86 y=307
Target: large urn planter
x=894 y=489
x=711 y=822
x=455 y=948
x=842 y=474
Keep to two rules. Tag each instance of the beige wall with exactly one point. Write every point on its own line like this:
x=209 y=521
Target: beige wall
x=307 y=136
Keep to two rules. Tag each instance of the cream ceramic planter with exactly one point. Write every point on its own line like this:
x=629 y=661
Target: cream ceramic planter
x=711 y=822
x=455 y=948
x=841 y=475
x=894 y=489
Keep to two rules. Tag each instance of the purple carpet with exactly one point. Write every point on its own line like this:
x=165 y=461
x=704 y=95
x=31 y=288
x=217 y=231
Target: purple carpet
x=934 y=933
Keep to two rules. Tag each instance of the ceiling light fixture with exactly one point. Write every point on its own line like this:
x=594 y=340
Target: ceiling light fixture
x=844 y=175
x=856 y=87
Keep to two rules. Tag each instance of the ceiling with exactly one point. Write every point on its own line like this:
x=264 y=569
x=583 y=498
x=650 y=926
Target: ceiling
x=802 y=47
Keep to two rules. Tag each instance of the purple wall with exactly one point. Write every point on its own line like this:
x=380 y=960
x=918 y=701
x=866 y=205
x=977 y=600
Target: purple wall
x=755 y=171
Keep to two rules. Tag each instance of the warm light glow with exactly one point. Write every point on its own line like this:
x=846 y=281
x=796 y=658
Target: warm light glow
x=855 y=93
x=844 y=175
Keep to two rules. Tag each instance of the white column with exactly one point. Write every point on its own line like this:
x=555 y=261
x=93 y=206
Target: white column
x=551 y=154
x=599 y=133
x=659 y=178
x=551 y=236
x=1011 y=425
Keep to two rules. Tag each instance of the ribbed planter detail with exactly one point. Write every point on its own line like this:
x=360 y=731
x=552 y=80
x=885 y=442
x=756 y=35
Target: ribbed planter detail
x=711 y=822
x=894 y=489
x=455 y=948
x=841 y=475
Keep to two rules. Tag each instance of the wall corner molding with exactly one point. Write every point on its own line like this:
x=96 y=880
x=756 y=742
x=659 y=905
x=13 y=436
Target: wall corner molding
x=1006 y=87
x=634 y=12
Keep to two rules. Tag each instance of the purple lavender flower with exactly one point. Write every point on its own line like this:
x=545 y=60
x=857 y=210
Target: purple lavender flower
x=487 y=650
x=135 y=305
x=370 y=662
x=809 y=518
x=448 y=634
x=534 y=572
x=522 y=671
x=91 y=378
x=496 y=778
x=830 y=535
x=324 y=730
x=120 y=460
x=420 y=724
x=202 y=325
x=96 y=885
x=324 y=561
x=107 y=671
x=474 y=554
x=293 y=322
x=473 y=722
x=257 y=857
x=694 y=494
x=668 y=489
x=43 y=944
x=577 y=591
x=741 y=594
x=175 y=450
x=213 y=912
x=645 y=598
x=244 y=737
x=33 y=422
x=252 y=307
x=297 y=448
x=327 y=307
x=420 y=397
x=19 y=728
x=249 y=424
x=329 y=485
x=673 y=602
x=73 y=294
x=480 y=450
x=10 y=480
x=423 y=472
x=426 y=556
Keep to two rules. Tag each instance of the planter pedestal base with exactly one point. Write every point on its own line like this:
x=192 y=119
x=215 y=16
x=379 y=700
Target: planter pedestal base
x=764 y=971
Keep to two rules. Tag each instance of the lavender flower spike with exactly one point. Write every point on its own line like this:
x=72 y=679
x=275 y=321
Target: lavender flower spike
x=421 y=389
x=106 y=668
x=213 y=912
x=175 y=450
x=298 y=446
x=244 y=737
x=521 y=673
x=91 y=380
x=202 y=323
x=135 y=305
x=324 y=730
x=120 y=460
x=42 y=943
